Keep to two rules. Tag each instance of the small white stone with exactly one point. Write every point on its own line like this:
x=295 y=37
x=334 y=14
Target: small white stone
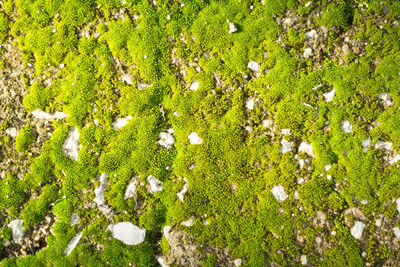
x=285 y=131
x=99 y=191
x=279 y=193
x=364 y=201
x=71 y=145
x=307 y=52
x=194 y=139
x=120 y=122
x=13 y=132
x=166 y=140
x=17 y=229
x=74 y=219
x=303 y=259
x=365 y=144
x=161 y=261
x=232 y=27
x=394 y=159
x=267 y=123
x=142 y=86
x=237 y=262
x=128 y=233
x=396 y=231
x=166 y=230
x=385 y=97
x=383 y=145
x=378 y=223
x=127 y=78
x=286 y=146
x=346 y=126
x=308 y=3
x=72 y=244
x=311 y=34
x=182 y=193
x=176 y=114
x=296 y=195
x=130 y=190
x=327 y=167
x=254 y=66
x=155 y=185
x=250 y=104
x=41 y=115
x=306 y=148
x=194 y=86
x=330 y=95
x=357 y=229
x=188 y=222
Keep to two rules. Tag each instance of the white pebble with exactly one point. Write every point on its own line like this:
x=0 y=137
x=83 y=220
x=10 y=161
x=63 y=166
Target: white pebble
x=17 y=229
x=286 y=146
x=128 y=233
x=188 y=222
x=357 y=229
x=120 y=122
x=194 y=139
x=330 y=95
x=155 y=185
x=72 y=244
x=194 y=86
x=346 y=126
x=279 y=193
x=71 y=145
x=254 y=66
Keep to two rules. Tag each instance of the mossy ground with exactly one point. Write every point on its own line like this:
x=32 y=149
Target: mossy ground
x=85 y=48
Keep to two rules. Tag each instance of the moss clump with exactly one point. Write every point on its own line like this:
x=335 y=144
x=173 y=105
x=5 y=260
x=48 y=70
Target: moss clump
x=24 y=139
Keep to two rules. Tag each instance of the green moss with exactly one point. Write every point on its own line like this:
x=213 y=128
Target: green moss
x=337 y=14
x=35 y=211
x=24 y=139
x=38 y=98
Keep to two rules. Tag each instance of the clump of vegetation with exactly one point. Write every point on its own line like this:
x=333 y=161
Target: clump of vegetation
x=24 y=138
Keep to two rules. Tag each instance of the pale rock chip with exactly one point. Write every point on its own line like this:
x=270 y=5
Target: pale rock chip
x=194 y=86
x=130 y=190
x=286 y=146
x=307 y=52
x=166 y=230
x=383 y=145
x=232 y=27
x=161 y=261
x=303 y=260
x=142 y=86
x=194 y=139
x=120 y=122
x=346 y=126
x=188 y=222
x=254 y=66
x=41 y=115
x=74 y=219
x=279 y=193
x=385 y=97
x=398 y=204
x=307 y=149
x=285 y=132
x=237 y=262
x=366 y=144
x=250 y=104
x=182 y=193
x=167 y=140
x=17 y=228
x=128 y=233
x=72 y=244
x=99 y=191
x=71 y=145
x=311 y=34
x=329 y=95
x=13 y=132
x=155 y=185
x=357 y=229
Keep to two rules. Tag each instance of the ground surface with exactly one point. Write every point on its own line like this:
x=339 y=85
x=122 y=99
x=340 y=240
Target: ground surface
x=199 y=133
